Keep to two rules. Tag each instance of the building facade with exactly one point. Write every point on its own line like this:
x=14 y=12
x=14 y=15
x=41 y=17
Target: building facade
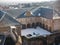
x=45 y=19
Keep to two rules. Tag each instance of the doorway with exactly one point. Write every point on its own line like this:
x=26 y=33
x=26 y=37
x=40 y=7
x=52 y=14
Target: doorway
x=33 y=25
x=23 y=26
x=28 y=25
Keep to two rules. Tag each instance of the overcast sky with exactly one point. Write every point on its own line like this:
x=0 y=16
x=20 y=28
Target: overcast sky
x=22 y=1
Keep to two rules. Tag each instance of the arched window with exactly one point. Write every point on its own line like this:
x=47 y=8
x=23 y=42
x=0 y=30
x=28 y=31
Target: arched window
x=43 y=26
x=50 y=29
x=40 y=25
x=33 y=25
x=37 y=24
x=28 y=25
x=46 y=27
x=23 y=26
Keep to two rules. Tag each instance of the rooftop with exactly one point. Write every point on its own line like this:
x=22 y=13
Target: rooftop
x=7 y=20
x=38 y=11
x=35 y=11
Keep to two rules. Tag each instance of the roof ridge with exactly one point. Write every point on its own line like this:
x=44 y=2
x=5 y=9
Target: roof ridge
x=34 y=9
x=57 y=12
x=3 y=16
x=12 y=17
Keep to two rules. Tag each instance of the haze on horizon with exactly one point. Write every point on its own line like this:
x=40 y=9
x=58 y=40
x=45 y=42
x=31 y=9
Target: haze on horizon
x=22 y=1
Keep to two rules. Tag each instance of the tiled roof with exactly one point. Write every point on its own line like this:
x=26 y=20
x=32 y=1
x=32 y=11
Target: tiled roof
x=7 y=20
x=37 y=11
x=23 y=15
x=47 y=13
x=43 y=12
x=15 y=12
x=1 y=14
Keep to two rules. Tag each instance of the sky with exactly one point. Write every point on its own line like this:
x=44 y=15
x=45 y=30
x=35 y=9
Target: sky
x=22 y=1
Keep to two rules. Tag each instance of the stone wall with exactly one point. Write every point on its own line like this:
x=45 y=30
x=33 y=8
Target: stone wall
x=4 y=29
x=29 y=20
x=48 y=24
x=56 y=24
x=32 y=41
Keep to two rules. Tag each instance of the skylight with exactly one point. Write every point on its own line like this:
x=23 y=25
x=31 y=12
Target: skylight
x=31 y=13
x=39 y=14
